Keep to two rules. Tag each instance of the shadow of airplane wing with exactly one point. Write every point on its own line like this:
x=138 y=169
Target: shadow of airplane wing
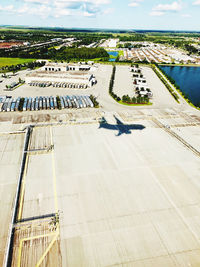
x=104 y=124
x=118 y=121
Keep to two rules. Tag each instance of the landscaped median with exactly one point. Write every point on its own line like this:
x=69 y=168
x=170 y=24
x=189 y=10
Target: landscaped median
x=166 y=82
x=134 y=104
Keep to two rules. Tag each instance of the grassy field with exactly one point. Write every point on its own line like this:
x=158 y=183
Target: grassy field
x=121 y=53
x=4 y=61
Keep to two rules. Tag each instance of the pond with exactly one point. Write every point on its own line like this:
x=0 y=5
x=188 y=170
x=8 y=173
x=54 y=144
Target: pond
x=188 y=78
x=113 y=55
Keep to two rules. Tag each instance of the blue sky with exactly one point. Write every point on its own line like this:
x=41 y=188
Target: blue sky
x=117 y=14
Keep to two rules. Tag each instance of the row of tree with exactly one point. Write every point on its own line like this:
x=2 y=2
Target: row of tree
x=129 y=45
x=167 y=85
x=191 y=49
x=64 y=53
x=67 y=54
x=28 y=65
x=137 y=37
x=31 y=36
x=28 y=51
x=135 y=100
x=111 y=85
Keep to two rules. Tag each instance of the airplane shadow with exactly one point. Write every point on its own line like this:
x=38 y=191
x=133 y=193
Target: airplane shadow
x=120 y=126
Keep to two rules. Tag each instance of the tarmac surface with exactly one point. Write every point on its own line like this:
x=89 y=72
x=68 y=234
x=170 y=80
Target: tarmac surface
x=104 y=188
x=10 y=159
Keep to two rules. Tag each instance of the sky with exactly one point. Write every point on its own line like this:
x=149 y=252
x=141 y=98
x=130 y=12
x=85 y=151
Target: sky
x=108 y=14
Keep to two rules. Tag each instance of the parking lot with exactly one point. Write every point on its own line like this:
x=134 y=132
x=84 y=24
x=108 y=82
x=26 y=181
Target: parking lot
x=124 y=86
x=9 y=104
x=58 y=84
x=38 y=89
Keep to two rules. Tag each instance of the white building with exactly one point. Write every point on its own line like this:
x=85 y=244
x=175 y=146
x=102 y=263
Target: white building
x=112 y=43
x=61 y=72
x=63 y=67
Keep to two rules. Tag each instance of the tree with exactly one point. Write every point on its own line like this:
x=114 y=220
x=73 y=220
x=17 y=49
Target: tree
x=134 y=100
x=124 y=98
x=138 y=99
x=94 y=101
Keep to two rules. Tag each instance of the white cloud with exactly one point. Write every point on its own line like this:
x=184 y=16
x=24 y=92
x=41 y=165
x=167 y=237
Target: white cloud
x=9 y=8
x=43 y=12
x=44 y=2
x=59 y=12
x=162 y=9
x=175 y=6
x=87 y=14
x=108 y=11
x=186 y=15
x=69 y=3
x=157 y=13
x=135 y=3
x=58 y=8
x=196 y=3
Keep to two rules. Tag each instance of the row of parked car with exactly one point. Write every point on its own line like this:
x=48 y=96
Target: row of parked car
x=44 y=102
x=140 y=83
x=141 y=91
x=59 y=84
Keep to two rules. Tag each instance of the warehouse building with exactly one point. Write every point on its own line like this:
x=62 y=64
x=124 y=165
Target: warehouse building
x=57 y=67
x=75 y=74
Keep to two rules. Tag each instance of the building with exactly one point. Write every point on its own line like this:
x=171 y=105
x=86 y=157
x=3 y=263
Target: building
x=56 y=67
x=76 y=74
x=112 y=43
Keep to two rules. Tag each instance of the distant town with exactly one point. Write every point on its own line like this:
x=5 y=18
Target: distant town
x=146 y=47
